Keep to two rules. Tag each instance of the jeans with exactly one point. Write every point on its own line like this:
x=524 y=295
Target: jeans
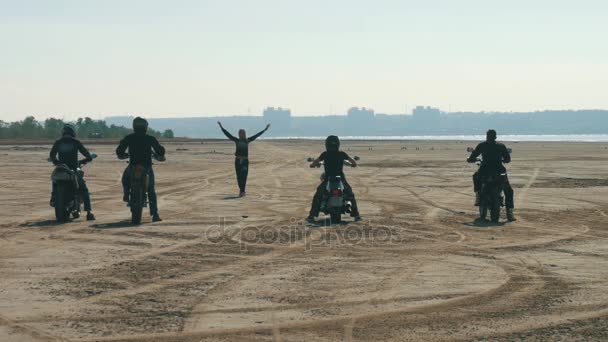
x=126 y=187
x=241 y=166
x=82 y=189
x=317 y=200
x=507 y=189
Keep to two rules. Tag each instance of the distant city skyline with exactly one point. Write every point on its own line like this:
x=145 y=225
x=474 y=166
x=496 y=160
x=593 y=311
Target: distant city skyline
x=161 y=58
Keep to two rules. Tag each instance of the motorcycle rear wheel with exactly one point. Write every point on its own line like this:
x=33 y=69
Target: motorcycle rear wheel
x=136 y=205
x=62 y=214
x=336 y=217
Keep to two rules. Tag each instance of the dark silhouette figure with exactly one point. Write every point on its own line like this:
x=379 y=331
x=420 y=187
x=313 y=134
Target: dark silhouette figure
x=140 y=146
x=494 y=156
x=241 y=160
x=333 y=163
x=65 y=151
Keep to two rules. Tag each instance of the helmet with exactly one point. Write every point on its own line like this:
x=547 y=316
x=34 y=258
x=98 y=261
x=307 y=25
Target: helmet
x=332 y=143
x=491 y=135
x=140 y=125
x=68 y=130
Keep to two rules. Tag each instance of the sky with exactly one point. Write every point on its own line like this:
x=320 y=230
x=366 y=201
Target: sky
x=70 y=58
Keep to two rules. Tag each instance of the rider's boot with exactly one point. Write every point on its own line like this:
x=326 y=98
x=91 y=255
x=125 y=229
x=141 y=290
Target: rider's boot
x=90 y=216
x=125 y=198
x=156 y=218
x=477 y=199
x=510 y=215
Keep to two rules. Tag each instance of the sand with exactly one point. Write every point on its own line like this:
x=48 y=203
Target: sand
x=220 y=268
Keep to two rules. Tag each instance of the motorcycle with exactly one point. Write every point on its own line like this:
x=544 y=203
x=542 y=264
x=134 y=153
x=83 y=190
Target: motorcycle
x=491 y=193
x=334 y=202
x=138 y=193
x=67 y=197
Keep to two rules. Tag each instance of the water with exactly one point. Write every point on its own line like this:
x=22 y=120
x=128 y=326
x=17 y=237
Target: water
x=518 y=138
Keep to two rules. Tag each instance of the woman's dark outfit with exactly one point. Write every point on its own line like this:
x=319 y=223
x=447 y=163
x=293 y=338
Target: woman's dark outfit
x=241 y=162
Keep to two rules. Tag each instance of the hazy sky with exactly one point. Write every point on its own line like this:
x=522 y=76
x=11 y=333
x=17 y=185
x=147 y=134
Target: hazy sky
x=191 y=58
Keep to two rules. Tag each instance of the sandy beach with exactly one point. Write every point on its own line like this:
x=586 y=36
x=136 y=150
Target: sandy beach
x=223 y=268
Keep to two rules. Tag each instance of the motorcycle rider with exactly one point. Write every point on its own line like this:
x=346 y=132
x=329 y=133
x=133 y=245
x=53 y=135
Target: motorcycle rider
x=333 y=160
x=140 y=146
x=494 y=156
x=241 y=160
x=67 y=148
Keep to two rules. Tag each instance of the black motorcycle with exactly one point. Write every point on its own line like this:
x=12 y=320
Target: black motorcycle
x=67 y=198
x=138 y=192
x=334 y=203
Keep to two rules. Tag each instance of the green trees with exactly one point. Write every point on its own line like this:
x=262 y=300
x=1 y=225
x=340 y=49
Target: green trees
x=86 y=128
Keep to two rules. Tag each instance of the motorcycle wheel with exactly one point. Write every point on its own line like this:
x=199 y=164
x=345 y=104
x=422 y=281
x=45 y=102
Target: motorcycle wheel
x=336 y=217
x=136 y=204
x=495 y=210
x=62 y=214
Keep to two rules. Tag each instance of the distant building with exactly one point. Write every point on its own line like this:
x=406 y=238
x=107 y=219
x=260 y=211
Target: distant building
x=426 y=114
x=362 y=113
x=278 y=117
x=279 y=113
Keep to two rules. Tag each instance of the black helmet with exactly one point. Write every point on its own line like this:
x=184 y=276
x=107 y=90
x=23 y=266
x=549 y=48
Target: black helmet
x=140 y=125
x=332 y=143
x=491 y=135
x=68 y=130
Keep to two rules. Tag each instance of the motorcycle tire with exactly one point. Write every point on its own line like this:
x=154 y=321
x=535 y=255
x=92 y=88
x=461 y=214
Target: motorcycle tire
x=336 y=217
x=495 y=210
x=137 y=199
x=62 y=214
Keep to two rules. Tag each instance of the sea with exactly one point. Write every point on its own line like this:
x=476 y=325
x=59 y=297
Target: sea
x=513 y=138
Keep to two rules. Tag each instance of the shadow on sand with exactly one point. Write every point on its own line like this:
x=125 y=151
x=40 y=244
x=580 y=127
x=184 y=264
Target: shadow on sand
x=44 y=223
x=114 y=225
x=327 y=223
x=484 y=224
x=231 y=197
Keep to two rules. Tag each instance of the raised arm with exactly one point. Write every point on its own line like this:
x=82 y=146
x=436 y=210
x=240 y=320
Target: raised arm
x=250 y=139
x=226 y=133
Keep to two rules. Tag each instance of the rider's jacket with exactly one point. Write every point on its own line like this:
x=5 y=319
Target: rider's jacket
x=494 y=154
x=333 y=161
x=65 y=150
x=140 y=147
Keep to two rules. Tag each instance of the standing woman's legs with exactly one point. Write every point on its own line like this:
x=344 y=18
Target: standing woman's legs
x=241 y=167
x=245 y=172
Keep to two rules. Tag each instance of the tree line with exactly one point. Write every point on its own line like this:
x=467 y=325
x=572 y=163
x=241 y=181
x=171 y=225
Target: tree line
x=30 y=128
